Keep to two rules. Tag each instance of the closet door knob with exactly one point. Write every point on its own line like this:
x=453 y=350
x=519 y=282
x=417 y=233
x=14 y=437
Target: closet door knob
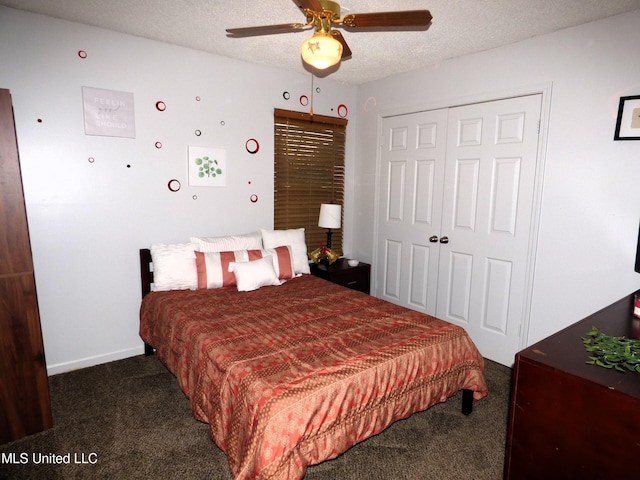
x=444 y=240
x=433 y=238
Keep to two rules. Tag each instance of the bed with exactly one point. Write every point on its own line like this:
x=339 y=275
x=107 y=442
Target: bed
x=291 y=375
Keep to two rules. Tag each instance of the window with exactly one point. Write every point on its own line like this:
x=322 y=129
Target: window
x=309 y=171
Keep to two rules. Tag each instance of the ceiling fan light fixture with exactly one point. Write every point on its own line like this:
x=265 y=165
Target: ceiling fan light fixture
x=321 y=51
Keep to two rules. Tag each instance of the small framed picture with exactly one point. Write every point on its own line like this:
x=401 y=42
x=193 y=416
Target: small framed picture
x=628 y=124
x=207 y=167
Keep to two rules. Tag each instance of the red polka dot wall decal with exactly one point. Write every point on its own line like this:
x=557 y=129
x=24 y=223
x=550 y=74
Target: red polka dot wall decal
x=342 y=110
x=370 y=104
x=82 y=54
x=174 y=185
x=252 y=146
x=161 y=106
x=304 y=100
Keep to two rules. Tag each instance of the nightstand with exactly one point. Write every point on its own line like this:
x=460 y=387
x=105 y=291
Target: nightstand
x=341 y=273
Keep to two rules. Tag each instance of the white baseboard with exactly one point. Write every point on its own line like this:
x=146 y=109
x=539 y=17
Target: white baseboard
x=91 y=361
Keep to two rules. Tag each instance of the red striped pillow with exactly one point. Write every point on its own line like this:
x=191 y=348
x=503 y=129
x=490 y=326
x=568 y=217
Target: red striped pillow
x=213 y=267
x=282 y=261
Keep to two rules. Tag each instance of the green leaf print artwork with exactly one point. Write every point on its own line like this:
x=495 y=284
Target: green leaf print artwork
x=208 y=167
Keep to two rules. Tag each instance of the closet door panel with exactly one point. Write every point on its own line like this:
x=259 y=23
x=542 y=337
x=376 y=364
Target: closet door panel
x=487 y=208
x=411 y=179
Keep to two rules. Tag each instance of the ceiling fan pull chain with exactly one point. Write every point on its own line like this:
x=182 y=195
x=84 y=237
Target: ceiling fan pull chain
x=311 y=110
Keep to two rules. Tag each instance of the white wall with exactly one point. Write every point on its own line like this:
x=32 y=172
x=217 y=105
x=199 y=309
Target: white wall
x=88 y=220
x=591 y=199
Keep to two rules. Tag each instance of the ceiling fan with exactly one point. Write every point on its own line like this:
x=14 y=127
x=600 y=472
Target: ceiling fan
x=327 y=46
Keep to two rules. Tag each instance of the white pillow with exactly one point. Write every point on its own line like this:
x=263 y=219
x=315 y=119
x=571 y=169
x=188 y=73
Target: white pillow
x=294 y=238
x=174 y=267
x=229 y=243
x=254 y=274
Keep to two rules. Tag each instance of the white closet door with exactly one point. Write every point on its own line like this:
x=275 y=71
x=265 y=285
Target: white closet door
x=411 y=181
x=486 y=216
x=455 y=213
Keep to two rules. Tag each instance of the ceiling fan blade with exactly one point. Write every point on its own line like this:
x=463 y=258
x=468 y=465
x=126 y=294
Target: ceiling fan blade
x=407 y=18
x=313 y=5
x=346 y=51
x=266 y=29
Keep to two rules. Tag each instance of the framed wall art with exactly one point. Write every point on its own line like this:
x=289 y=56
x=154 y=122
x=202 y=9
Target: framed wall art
x=108 y=113
x=207 y=167
x=628 y=123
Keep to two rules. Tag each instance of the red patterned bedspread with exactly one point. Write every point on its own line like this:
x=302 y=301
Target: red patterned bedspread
x=288 y=376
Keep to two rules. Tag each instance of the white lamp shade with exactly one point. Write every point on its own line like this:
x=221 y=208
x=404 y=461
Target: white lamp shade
x=330 y=215
x=321 y=51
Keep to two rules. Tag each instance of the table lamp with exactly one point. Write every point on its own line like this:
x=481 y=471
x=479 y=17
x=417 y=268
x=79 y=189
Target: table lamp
x=330 y=217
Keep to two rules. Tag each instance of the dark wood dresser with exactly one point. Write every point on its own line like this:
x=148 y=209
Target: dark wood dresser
x=571 y=420
x=24 y=387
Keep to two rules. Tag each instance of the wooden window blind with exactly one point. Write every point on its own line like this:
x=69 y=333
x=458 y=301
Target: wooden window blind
x=309 y=171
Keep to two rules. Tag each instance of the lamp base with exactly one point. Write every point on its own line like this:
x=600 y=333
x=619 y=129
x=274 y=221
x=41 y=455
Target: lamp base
x=329 y=234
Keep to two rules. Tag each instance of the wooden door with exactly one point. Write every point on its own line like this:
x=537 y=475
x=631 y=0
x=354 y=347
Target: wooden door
x=24 y=389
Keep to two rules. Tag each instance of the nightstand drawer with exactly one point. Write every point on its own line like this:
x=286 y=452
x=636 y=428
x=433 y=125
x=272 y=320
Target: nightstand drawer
x=356 y=278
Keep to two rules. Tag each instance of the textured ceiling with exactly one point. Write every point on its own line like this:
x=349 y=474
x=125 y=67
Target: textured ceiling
x=459 y=27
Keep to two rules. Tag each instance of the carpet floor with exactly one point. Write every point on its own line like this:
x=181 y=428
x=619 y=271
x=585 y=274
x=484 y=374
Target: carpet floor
x=129 y=419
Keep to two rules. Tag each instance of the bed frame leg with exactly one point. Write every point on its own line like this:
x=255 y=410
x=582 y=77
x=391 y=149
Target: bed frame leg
x=148 y=350
x=467 y=401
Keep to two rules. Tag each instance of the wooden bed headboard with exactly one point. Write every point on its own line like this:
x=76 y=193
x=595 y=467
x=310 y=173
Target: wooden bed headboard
x=146 y=279
x=146 y=273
